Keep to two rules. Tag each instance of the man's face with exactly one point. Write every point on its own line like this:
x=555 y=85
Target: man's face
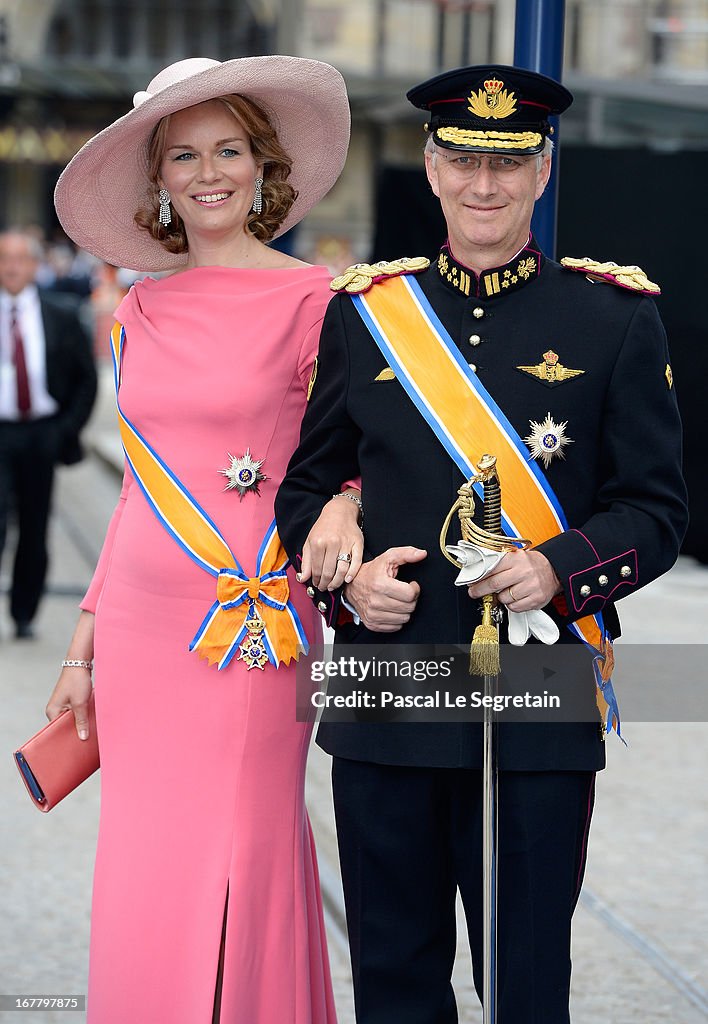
x=18 y=267
x=487 y=200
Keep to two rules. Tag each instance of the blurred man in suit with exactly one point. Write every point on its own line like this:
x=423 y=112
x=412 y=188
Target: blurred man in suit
x=47 y=391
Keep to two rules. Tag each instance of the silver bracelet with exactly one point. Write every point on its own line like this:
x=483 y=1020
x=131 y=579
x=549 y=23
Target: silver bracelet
x=357 y=501
x=76 y=663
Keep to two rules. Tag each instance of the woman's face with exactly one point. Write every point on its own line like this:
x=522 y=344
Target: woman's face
x=209 y=169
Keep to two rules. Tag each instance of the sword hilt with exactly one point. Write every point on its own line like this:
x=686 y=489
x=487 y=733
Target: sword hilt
x=484 y=650
x=492 y=493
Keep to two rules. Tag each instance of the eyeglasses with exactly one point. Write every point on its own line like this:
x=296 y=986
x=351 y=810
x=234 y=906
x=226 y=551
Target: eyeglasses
x=467 y=164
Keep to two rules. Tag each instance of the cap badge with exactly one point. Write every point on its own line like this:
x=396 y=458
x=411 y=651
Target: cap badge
x=492 y=101
x=551 y=371
x=244 y=474
x=547 y=440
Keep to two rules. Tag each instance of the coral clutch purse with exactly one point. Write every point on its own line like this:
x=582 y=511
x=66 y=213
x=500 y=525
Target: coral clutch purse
x=55 y=761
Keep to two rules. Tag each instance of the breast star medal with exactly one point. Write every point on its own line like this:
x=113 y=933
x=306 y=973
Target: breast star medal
x=243 y=474
x=551 y=371
x=252 y=649
x=547 y=440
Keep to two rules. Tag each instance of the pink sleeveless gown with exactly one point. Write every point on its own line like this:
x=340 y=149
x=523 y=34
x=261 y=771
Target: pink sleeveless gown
x=202 y=771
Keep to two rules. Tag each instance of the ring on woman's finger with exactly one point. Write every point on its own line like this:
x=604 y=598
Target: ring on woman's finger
x=511 y=595
x=344 y=556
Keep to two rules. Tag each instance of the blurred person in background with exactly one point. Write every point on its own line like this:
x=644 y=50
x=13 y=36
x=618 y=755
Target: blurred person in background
x=47 y=391
x=206 y=899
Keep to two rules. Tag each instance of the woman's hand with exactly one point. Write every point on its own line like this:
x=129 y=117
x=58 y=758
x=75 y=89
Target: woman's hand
x=74 y=685
x=335 y=533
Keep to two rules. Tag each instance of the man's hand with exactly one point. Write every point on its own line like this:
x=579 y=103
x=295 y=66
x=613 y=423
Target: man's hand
x=385 y=603
x=524 y=581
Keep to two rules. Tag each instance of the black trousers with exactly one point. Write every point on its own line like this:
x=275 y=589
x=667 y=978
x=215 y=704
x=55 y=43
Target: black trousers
x=28 y=453
x=409 y=837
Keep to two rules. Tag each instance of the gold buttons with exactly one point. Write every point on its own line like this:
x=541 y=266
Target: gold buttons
x=473 y=367
x=321 y=606
x=475 y=339
x=585 y=590
x=603 y=580
x=478 y=312
x=310 y=591
x=625 y=571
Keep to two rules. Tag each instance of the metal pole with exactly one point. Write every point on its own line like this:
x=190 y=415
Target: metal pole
x=538 y=46
x=490 y=777
x=289 y=14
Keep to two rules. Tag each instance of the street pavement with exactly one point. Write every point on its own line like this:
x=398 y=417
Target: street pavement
x=639 y=947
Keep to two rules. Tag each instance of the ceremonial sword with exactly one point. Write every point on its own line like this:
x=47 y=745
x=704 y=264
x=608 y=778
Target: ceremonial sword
x=485 y=662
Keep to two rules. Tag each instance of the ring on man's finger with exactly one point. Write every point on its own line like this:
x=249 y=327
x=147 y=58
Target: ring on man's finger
x=344 y=556
x=511 y=595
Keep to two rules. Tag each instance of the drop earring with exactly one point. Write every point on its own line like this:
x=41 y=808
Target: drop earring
x=258 y=196
x=165 y=215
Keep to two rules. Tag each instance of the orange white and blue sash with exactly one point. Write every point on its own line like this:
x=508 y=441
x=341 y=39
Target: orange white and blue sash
x=468 y=422
x=238 y=595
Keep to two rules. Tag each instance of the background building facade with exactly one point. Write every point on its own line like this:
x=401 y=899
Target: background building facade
x=635 y=142
x=67 y=67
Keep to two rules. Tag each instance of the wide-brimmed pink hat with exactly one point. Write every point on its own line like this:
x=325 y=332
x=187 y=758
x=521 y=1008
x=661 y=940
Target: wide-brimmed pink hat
x=106 y=183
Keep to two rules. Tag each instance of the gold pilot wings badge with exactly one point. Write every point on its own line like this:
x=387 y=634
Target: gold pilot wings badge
x=551 y=371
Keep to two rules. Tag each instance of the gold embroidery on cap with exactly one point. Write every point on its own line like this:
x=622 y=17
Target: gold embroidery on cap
x=491 y=101
x=489 y=140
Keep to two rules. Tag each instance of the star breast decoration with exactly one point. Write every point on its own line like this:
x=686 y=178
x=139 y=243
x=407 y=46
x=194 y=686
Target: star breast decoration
x=243 y=474
x=547 y=440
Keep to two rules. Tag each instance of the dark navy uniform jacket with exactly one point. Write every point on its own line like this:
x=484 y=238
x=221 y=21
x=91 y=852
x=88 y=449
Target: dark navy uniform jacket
x=619 y=483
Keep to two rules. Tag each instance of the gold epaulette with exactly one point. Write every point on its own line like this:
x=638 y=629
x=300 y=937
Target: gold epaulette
x=362 y=276
x=632 y=278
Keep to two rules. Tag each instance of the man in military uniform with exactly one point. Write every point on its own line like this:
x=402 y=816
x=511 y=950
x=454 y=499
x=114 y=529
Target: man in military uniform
x=569 y=366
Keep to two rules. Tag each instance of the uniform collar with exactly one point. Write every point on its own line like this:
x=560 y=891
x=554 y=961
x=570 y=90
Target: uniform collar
x=519 y=271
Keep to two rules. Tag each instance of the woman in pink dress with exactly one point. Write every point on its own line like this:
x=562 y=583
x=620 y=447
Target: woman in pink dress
x=206 y=900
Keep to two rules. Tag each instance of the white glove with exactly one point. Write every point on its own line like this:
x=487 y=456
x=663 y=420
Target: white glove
x=536 y=622
x=477 y=563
